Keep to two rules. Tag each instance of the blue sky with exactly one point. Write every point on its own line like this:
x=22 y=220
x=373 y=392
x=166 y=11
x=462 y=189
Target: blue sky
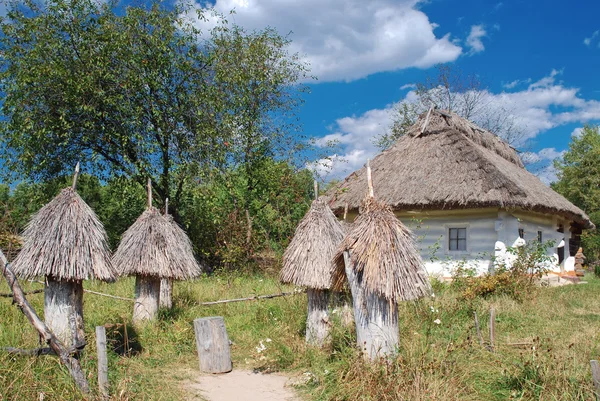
x=539 y=57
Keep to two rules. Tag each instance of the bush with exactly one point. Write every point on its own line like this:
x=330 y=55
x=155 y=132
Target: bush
x=516 y=278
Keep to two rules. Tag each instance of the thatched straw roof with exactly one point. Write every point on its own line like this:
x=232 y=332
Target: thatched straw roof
x=307 y=259
x=156 y=246
x=65 y=240
x=383 y=254
x=453 y=164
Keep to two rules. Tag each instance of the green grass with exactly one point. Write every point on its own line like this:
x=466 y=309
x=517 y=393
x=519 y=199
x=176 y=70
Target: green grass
x=437 y=362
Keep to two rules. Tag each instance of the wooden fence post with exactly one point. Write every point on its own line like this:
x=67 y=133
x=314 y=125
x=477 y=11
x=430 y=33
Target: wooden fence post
x=102 y=362
x=596 y=378
x=492 y=328
x=212 y=344
x=478 y=329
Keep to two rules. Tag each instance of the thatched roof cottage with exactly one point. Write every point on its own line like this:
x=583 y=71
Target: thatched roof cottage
x=462 y=190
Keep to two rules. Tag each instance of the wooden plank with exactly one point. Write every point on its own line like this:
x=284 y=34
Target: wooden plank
x=212 y=344
x=596 y=378
x=102 y=362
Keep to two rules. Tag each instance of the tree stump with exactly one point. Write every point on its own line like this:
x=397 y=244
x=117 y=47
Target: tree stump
x=63 y=311
x=147 y=290
x=166 y=293
x=212 y=344
x=317 y=322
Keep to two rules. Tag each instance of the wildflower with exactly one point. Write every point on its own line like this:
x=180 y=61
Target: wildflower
x=437 y=321
x=432 y=309
x=261 y=347
x=432 y=295
x=268 y=340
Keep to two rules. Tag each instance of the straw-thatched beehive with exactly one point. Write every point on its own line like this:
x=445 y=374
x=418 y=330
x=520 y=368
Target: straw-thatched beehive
x=379 y=261
x=65 y=243
x=461 y=180
x=307 y=263
x=154 y=248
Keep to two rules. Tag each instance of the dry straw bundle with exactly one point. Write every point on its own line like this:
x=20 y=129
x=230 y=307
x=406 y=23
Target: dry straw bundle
x=65 y=240
x=383 y=255
x=155 y=246
x=307 y=259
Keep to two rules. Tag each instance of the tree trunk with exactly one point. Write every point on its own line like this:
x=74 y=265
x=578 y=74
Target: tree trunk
x=63 y=311
x=317 y=322
x=248 y=233
x=359 y=304
x=375 y=317
x=147 y=290
x=383 y=340
x=166 y=293
x=212 y=344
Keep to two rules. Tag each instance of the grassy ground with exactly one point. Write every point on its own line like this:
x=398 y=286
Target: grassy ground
x=438 y=361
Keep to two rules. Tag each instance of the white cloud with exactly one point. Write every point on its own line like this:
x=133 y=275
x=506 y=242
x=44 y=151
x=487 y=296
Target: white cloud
x=543 y=105
x=474 y=39
x=348 y=39
x=516 y=82
x=577 y=132
x=408 y=86
x=588 y=41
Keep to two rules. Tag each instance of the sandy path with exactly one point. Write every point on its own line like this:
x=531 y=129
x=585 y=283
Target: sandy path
x=242 y=385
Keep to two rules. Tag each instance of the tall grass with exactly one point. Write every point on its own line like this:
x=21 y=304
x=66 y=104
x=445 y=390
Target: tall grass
x=437 y=361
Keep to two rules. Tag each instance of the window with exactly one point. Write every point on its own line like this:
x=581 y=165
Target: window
x=457 y=239
x=540 y=237
x=521 y=233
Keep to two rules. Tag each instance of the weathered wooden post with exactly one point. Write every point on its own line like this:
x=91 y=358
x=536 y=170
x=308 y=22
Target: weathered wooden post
x=492 y=328
x=307 y=262
x=382 y=266
x=154 y=247
x=166 y=284
x=102 y=362
x=596 y=378
x=212 y=344
x=65 y=242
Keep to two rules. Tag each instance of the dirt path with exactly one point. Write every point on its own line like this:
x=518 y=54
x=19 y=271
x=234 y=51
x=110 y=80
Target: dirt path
x=242 y=385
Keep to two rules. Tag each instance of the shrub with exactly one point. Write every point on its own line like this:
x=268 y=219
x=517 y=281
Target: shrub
x=516 y=278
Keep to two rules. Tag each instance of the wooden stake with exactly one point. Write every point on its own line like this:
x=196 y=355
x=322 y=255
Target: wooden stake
x=74 y=186
x=479 y=336
x=212 y=344
x=102 y=362
x=72 y=364
x=596 y=378
x=426 y=122
x=149 y=189
x=345 y=211
x=316 y=184
x=492 y=328
x=166 y=206
x=369 y=179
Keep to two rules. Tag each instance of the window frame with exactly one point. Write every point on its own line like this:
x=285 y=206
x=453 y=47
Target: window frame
x=457 y=225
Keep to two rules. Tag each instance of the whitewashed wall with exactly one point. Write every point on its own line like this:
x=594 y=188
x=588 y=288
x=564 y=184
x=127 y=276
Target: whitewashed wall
x=484 y=229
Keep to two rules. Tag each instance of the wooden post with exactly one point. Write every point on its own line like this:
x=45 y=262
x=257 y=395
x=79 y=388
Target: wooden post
x=46 y=334
x=102 y=362
x=147 y=290
x=149 y=192
x=369 y=179
x=317 y=321
x=479 y=336
x=74 y=186
x=596 y=378
x=316 y=185
x=345 y=211
x=63 y=311
x=492 y=328
x=212 y=344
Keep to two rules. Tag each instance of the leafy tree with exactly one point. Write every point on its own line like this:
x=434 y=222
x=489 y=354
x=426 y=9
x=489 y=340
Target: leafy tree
x=578 y=173
x=138 y=94
x=462 y=94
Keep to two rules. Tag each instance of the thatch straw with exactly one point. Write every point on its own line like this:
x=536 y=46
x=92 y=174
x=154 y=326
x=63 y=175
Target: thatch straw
x=453 y=164
x=65 y=240
x=156 y=246
x=383 y=255
x=307 y=259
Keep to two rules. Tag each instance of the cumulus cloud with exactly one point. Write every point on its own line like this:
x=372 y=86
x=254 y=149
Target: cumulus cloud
x=588 y=41
x=344 y=40
x=577 y=132
x=543 y=105
x=474 y=39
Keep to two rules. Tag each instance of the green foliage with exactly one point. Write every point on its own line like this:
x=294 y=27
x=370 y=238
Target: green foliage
x=578 y=173
x=517 y=279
